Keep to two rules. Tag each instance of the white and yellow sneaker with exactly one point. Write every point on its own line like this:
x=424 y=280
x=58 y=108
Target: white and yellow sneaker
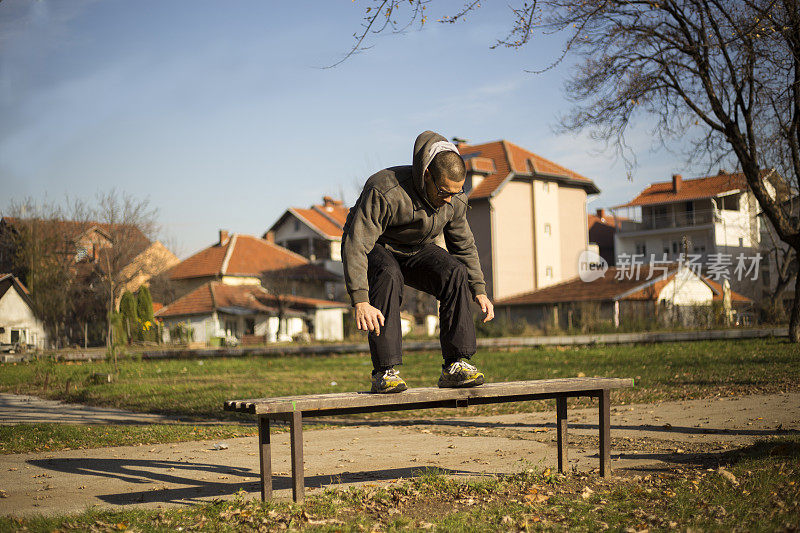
x=388 y=381
x=460 y=374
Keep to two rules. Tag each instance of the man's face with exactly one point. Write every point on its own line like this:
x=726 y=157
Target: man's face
x=441 y=193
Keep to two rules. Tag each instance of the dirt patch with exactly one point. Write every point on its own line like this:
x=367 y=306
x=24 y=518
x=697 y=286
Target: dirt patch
x=645 y=437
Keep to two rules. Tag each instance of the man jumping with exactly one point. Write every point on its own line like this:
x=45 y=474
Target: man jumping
x=388 y=242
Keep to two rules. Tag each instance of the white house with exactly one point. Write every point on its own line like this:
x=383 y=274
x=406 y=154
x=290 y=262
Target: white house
x=669 y=294
x=315 y=233
x=712 y=219
x=252 y=289
x=244 y=312
x=19 y=326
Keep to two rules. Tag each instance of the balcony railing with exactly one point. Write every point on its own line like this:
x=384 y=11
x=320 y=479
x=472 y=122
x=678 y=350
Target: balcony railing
x=670 y=220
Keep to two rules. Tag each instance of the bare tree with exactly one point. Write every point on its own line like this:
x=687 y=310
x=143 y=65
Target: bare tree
x=39 y=243
x=724 y=74
x=129 y=225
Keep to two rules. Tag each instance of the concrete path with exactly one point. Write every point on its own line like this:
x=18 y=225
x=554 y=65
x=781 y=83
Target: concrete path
x=644 y=437
x=21 y=409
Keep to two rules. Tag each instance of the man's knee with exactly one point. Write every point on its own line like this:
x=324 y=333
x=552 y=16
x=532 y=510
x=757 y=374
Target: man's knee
x=459 y=272
x=388 y=274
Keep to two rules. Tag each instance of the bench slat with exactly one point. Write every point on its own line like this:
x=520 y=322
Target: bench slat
x=355 y=400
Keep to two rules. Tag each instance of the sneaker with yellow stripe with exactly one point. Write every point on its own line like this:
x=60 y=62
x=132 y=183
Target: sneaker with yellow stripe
x=460 y=374
x=388 y=381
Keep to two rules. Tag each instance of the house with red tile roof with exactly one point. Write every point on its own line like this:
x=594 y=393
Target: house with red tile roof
x=711 y=219
x=315 y=233
x=235 y=259
x=701 y=216
x=243 y=286
x=19 y=325
x=216 y=309
x=667 y=294
x=528 y=216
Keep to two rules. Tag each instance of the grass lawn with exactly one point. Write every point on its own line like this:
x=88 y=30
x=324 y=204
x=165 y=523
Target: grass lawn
x=198 y=388
x=752 y=489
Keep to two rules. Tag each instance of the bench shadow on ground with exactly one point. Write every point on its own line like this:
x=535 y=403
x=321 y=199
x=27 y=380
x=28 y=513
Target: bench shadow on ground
x=156 y=473
x=778 y=448
x=473 y=424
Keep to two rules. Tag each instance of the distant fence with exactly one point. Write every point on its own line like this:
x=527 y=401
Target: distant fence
x=502 y=342
x=411 y=346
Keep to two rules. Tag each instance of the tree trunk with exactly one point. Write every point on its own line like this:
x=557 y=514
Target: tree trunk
x=794 y=321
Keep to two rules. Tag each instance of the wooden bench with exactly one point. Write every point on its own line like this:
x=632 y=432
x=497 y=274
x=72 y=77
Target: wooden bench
x=294 y=408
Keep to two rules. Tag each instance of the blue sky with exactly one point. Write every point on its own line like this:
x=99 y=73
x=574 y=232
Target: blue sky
x=220 y=113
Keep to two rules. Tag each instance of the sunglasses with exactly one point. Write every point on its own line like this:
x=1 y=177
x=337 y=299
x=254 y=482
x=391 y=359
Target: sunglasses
x=443 y=194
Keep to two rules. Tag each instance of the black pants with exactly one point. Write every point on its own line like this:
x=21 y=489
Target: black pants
x=434 y=271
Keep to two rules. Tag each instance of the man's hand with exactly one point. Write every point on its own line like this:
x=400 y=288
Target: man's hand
x=369 y=318
x=486 y=307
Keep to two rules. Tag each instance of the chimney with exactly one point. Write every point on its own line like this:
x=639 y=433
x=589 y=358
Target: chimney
x=223 y=237
x=676 y=182
x=601 y=213
x=270 y=236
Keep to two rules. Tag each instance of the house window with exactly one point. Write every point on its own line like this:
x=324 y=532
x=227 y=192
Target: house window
x=741 y=242
x=548 y=272
x=675 y=247
x=297 y=225
x=641 y=248
x=546 y=186
x=249 y=326
x=730 y=203
x=547 y=229
x=81 y=254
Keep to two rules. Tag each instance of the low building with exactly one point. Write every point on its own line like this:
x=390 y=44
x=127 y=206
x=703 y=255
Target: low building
x=217 y=310
x=19 y=326
x=647 y=296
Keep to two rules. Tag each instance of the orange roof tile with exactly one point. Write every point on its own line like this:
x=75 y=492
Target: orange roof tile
x=482 y=165
x=609 y=288
x=692 y=189
x=576 y=290
x=318 y=221
x=246 y=256
x=507 y=158
x=216 y=295
x=198 y=302
x=251 y=256
x=335 y=210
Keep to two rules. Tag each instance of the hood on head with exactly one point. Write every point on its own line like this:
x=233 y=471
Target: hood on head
x=427 y=145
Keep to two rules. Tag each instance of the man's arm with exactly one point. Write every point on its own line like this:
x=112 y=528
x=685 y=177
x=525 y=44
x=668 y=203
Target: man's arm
x=461 y=244
x=369 y=219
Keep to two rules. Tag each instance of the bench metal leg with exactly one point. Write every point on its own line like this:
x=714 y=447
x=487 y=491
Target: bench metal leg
x=605 y=433
x=561 y=431
x=265 y=458
x=298 y=481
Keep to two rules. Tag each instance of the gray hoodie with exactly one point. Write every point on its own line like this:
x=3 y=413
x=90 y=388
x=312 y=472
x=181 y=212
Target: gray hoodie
x=393 y=210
